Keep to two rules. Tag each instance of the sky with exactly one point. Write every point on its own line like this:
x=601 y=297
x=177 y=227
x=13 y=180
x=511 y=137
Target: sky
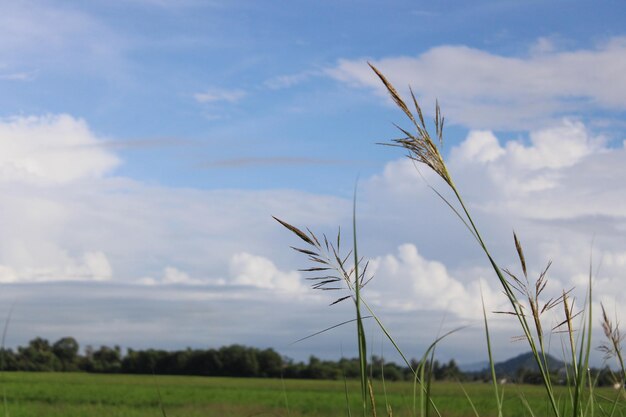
x=146 y=144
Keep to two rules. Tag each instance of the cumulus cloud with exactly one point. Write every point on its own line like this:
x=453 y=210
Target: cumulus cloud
x=260 y=272
x=561 y=188
x=410 y=282
x=244 y=269
x=480 y=89
x=555 y=147
x=552 y=166
x=479 y=146
x=39 y=157
x=53 y=149
x=172 y=275
x=91 y=266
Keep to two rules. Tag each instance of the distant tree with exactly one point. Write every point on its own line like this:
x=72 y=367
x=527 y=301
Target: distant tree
x=140 y=361
x=451 y=371
x=8 y=360
x=107 y=360
x=204 y=362
x=38 y=356
x=318 y=369
x=294 y=369
x=270 y=363
x=66 y=350
x=393 y=372
x=238 y=360
x=349 y=368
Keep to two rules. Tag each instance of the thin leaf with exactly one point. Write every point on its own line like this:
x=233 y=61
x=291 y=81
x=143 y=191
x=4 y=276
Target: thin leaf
x=327 y=329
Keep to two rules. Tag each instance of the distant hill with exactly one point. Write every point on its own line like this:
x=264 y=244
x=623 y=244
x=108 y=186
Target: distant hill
x=526 y=361
x=511 y=367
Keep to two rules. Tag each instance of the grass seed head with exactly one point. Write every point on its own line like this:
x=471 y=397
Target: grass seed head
x=420 y=145
x=613 y=343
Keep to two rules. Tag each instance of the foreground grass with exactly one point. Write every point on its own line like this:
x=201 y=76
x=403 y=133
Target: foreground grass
x=69 y=395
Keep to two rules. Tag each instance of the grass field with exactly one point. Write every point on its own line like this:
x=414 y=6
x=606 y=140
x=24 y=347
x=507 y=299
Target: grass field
x=89 y=395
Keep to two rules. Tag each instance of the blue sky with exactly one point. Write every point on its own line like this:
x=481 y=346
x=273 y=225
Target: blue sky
x=146 y=143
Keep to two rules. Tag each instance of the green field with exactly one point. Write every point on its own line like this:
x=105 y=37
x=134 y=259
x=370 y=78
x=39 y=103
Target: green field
x=91 y=395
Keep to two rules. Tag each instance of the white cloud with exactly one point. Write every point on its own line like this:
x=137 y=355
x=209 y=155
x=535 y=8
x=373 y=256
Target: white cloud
x=409 y=282
x=174 y=276
x=481 y=146
x=39 y=157
x=92 y=266
x=260 y=272
x=560 y=190
x=53 y=148
x=556 y=147
x=97 y=265
x=558 y=170
x=213 y=95
x=484 y=90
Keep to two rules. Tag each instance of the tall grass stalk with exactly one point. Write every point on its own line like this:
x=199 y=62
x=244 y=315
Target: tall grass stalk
x=359 y=321
x=492 y=367
x=333 y=273
x=331 y=270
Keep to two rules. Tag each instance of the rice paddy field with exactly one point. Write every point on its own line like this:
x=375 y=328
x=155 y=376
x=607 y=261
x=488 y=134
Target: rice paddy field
x=94 y=395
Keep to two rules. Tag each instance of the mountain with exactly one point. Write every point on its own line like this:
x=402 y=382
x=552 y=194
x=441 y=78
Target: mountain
x=511 y=367
x=526 y=362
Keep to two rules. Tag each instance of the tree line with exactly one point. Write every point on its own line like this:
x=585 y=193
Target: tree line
x=65 y=355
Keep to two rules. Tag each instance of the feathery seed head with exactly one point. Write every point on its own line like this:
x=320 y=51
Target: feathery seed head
x=420 y=145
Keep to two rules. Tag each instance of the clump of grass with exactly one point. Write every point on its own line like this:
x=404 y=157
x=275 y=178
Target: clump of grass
x=333 y=271
x=424 y=150
x=525 y=297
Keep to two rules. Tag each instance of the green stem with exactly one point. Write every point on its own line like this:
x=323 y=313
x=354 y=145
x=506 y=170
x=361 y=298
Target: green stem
x=357 y=303
x=519 y=313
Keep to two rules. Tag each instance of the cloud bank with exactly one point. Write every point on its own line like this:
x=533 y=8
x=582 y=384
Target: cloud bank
x=66 y=221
